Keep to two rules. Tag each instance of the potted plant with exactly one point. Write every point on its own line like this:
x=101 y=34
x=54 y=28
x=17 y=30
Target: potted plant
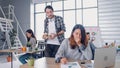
x=24 y=49
x=36 y=49
x=12 y=34
x=29 y=47
x=9 y=58
x=31 y=61
x=118 y=46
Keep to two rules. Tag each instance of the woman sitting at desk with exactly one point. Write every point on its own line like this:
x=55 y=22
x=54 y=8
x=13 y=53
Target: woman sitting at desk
x=75 y=47
x=90 y=46
x=31 y=39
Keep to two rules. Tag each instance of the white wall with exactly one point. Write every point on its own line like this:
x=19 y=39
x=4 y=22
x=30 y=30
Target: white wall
x=22 y=11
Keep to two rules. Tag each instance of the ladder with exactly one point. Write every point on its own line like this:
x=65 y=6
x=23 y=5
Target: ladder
x=6 y=25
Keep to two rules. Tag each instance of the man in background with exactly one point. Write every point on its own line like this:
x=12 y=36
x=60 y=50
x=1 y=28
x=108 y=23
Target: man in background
x=54 y=29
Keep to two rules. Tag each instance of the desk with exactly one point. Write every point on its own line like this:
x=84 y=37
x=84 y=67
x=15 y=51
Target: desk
x=20 y=51
x=11 y=51
x=51 y=64
x=26 y=66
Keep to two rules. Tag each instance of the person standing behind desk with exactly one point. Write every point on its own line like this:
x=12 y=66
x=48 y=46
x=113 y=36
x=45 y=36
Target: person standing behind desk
x=32 y=40
x=54 y=29
x=90 y=47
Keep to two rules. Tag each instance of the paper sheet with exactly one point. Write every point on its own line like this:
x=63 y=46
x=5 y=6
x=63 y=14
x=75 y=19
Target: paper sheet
x=71 y=65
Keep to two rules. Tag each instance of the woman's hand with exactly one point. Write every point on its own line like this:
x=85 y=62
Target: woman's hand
x=77 y=40
x=63 y=60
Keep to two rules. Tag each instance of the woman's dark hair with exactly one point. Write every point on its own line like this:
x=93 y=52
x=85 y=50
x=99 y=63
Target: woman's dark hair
x=32 y=35
x=87 y=33
x=49 y=7
x=73 y=44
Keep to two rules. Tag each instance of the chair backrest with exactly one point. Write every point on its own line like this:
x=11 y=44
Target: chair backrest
x=41 y=44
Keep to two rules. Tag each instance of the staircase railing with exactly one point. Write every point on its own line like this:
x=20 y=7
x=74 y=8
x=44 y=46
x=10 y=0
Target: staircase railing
x=3 y=15
x=6 y=27
x=13 y=16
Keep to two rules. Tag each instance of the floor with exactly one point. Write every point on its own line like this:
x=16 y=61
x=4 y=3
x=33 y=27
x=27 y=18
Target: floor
x=5 y=64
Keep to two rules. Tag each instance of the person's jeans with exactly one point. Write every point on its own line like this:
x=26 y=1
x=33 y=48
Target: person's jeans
x=27 y=56
x=51 y=50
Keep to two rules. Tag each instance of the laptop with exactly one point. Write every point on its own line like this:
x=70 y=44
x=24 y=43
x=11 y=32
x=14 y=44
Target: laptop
x=104 y=57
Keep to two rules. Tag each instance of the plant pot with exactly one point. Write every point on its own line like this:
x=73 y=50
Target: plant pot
x=118 y=46
x=24 y=49
x=31 y=62
x=9 y=59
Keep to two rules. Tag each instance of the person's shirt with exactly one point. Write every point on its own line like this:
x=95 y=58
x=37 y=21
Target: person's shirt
x=88 y=52
x=32 y=41
x=52 y=29
x=59 y=26
x=79 y=53
x=92 y=47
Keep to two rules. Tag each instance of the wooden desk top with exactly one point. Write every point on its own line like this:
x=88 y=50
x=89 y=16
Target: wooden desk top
x=20 y=51
x=26 y=66
x=8 y=50
x=51 y=64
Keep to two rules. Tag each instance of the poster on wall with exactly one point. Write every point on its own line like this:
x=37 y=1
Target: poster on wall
x=95 y=35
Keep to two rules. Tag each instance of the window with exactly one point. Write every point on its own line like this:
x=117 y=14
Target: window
x=57 y=5
x=58 y=14
x=87 y=19
x=39 y=7
x=49 y=3
x=79 y=17
x=89 y=3
x=69 y=19
x=69 y=4
x=73 y=12
x=39 y=25
x=78 y=3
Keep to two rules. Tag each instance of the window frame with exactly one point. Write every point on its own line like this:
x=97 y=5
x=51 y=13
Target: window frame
x=62 y=10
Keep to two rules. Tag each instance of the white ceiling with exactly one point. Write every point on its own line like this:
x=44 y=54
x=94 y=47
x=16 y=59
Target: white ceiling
x=43 y=1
